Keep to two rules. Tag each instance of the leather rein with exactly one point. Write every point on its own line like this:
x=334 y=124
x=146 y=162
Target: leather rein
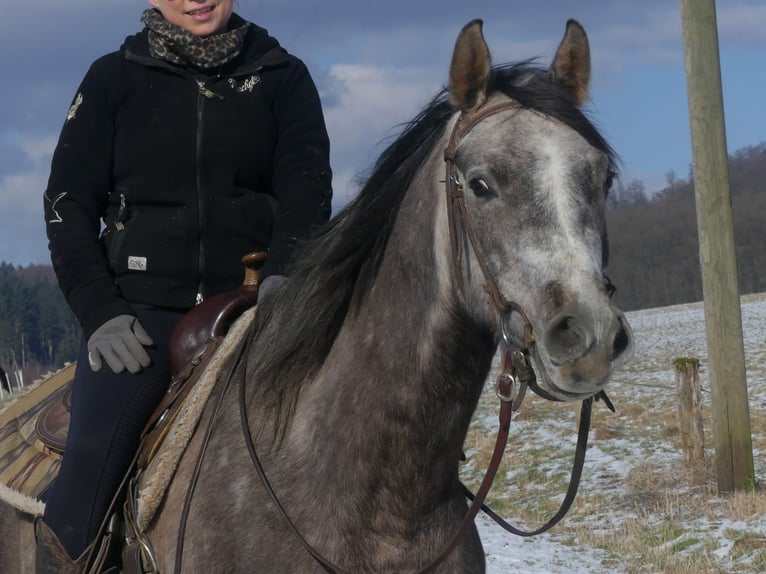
x=515 y=377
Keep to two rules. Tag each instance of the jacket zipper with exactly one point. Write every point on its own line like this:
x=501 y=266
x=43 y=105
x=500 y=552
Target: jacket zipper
x=205 y=93
x=119 y=224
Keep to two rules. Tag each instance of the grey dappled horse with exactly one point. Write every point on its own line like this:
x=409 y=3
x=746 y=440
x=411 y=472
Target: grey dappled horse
x=363 y=379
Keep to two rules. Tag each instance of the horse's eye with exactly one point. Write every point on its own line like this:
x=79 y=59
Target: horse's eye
x=611 y=174
x=480 y=188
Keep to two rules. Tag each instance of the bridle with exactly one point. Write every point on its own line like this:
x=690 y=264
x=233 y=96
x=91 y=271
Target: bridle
x=501 y=309
x=515 y=377
x=457 y=215
x=517 y=373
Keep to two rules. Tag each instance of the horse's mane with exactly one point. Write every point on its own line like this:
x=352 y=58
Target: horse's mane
x=331 y=274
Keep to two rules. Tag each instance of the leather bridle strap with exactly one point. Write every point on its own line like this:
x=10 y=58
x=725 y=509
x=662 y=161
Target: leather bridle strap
x=510 y=401
x=321 y=560
x=238 y=355
x=457 y=215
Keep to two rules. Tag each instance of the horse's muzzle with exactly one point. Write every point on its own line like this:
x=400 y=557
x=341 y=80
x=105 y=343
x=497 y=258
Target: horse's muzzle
x=586 y=346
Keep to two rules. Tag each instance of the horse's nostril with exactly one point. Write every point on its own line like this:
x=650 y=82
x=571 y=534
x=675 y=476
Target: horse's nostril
x=568 y=333
x=621 y=341
x=566 y=339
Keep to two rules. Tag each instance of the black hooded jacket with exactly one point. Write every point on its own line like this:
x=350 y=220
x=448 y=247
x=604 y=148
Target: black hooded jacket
x=188 y=171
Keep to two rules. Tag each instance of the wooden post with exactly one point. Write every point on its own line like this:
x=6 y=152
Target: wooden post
x=689 y=397
x=723 y=319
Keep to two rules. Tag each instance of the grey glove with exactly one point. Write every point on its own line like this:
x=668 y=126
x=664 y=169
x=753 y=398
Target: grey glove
x=120 y=342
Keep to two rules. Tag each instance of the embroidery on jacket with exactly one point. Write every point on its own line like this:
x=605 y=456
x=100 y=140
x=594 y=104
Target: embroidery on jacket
x=56 y=217
x=73 y=108
x=247 y=85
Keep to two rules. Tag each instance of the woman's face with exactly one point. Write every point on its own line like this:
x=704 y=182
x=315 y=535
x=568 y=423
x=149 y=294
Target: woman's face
x=200 y=17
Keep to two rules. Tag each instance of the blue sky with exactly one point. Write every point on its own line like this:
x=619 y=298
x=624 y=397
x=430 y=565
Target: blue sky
x=376 y=65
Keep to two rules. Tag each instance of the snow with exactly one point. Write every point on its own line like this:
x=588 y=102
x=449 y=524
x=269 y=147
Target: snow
x=540 y=554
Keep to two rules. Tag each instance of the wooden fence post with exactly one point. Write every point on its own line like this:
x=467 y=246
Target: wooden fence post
x=723 y=321
x=689 y=397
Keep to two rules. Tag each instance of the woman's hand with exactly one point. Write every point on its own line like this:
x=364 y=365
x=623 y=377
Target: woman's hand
x=120 y=342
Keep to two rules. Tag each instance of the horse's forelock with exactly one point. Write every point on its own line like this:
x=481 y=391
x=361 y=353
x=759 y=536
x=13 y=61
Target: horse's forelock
x=531 y=86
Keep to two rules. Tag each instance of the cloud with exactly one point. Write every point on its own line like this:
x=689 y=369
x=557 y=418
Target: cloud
x=742 y=25
x=21 y=218
x=369 y=102
x=21 y=193
x=376 y=65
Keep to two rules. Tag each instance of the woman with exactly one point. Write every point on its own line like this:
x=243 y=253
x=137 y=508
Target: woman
x=199 y=141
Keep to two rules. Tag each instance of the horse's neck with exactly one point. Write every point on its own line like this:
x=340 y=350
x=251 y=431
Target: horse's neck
x=396 y=395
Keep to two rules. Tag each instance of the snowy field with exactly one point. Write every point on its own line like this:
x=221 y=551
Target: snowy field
x=639 y=508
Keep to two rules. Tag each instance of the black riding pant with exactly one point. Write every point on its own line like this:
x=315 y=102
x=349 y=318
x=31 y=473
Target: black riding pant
x=109 y=411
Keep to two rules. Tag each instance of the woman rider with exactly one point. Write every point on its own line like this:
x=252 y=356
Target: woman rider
x=198 y=141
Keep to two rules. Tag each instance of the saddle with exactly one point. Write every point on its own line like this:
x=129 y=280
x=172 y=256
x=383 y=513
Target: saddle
x=193 y=341
x=52 y=424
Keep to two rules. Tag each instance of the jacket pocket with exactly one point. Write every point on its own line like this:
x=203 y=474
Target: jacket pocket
x=114 y=233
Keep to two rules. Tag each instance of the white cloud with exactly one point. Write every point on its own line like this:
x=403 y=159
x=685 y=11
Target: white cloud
x=370 y=102
x=21 y=217
x=378 y=65
x=38 y=150
x=21 y=201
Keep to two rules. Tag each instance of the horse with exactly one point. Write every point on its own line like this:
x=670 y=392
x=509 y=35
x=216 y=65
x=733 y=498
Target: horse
x=482 y=224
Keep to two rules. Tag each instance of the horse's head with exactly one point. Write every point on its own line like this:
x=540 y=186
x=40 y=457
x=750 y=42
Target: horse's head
x=532 y=174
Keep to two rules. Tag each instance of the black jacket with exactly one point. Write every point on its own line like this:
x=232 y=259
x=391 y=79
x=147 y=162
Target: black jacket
x=188 y=172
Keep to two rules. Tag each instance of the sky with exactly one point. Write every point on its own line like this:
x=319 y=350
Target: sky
x=376 y=65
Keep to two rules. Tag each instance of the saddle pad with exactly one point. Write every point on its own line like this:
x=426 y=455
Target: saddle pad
x=27 y=465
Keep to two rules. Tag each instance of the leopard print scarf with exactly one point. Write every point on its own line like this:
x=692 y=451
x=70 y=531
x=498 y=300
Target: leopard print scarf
x=177 y=45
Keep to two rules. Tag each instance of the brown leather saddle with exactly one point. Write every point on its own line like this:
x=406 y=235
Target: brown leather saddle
x=53 y=422
x=191 y=337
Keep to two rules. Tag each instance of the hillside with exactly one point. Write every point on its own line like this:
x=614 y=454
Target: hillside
x=654 y=251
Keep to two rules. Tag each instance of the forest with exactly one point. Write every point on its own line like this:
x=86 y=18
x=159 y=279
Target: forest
x=37 y=330
x=654 y=262
x=654 y=250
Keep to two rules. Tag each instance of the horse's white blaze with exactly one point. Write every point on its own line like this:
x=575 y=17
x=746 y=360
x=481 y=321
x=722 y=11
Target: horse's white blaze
x=557 y=159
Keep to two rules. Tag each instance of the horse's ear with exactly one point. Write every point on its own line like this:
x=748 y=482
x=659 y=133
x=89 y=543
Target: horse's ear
x=571 y=65
x=470 y=69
